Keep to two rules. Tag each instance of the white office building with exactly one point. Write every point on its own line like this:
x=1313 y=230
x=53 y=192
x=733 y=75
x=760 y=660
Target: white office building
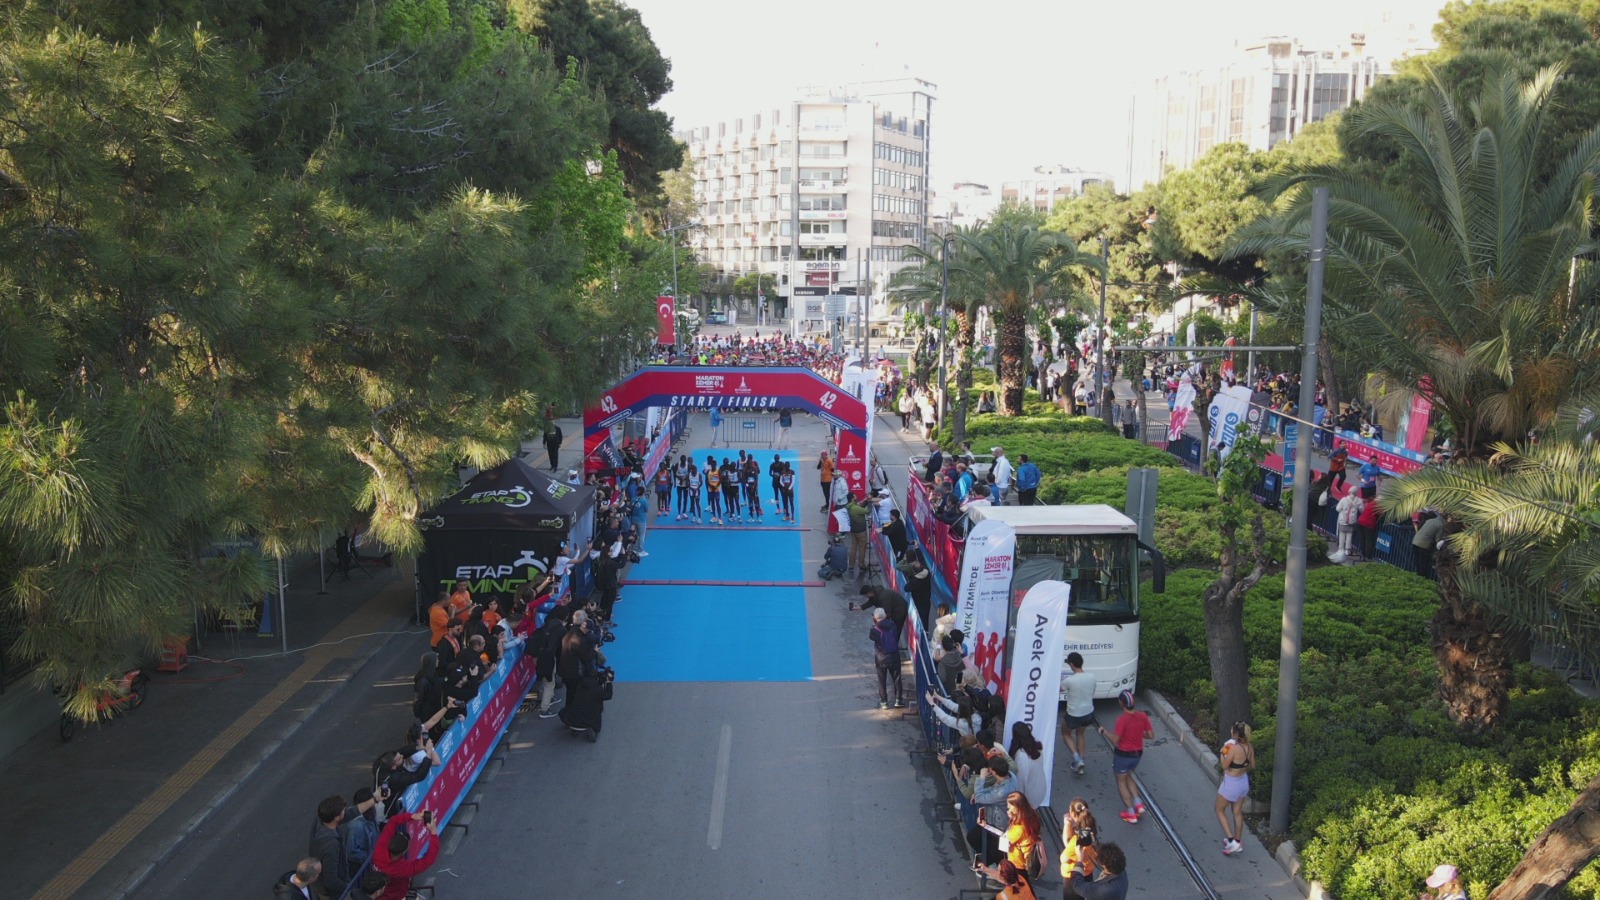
x=1264 y=95
x=825 y=194
x=1046 y=186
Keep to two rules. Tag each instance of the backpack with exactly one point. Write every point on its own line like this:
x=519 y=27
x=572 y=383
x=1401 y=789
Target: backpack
x=1352 y=512
x=886 y=637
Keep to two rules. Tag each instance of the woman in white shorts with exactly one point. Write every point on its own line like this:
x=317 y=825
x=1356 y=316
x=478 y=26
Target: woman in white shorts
x=1237 y=757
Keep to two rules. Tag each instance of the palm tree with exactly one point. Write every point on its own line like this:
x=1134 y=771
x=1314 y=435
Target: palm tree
x=923 y=286
x=1018 y=267
x=1463 y=285
x=1528 y=547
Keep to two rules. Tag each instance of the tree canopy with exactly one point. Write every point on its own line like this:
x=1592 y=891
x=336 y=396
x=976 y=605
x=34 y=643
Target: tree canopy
x=258 y=277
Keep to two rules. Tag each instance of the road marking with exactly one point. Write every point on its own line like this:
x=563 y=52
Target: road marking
x=77 y=873
x=719 y=790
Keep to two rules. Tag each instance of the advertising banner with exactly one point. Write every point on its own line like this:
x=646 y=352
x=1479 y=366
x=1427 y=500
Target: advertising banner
x=852 y=461
x=1182 y=404
x=1417 y=421
x=1228 y=413
x=466 y=746
x=767 y=388
x=861 y=381
x=982 y=594
x=666 y=320
x=1391 y=459
x=1035 y=677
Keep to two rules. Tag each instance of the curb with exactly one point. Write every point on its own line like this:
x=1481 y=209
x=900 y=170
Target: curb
x=1287 y=856
x=171 y=845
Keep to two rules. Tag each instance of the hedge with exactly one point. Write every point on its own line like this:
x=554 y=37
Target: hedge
x=1386 y=787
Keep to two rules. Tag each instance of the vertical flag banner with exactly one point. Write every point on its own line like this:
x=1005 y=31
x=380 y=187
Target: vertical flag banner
x=1228 y=413
x=982 y=595
x=1035 y=679
x=666 y=321
x=1181 y=406
x=861 y=382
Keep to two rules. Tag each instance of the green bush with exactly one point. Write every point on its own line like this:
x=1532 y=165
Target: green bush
x=1385 y=784
x=1177 y=488
x=983 y=430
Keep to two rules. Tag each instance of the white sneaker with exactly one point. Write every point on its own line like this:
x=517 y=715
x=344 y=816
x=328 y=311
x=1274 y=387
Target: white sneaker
x=1231 y=847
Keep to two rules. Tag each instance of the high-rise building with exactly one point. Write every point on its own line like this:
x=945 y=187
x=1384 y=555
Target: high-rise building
x=964 y=205
x=1048 y=185
x=1265 y=95
x=824 y=194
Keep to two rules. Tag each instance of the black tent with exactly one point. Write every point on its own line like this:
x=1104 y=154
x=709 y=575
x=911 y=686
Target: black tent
x=503 y=529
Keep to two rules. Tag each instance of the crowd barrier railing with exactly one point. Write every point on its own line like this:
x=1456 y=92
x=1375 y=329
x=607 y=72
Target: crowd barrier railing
x=465 y=747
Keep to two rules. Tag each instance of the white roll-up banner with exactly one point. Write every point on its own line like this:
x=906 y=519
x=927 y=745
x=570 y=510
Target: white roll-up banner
x=982 y=596
x=1036 y=658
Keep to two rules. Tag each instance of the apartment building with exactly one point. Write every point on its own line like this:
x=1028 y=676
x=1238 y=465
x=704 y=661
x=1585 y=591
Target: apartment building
x=1046 y=186
x=825 y=194
x=1263 y=95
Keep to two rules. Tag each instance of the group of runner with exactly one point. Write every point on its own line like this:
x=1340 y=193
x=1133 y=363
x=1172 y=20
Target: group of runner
x=732 y=489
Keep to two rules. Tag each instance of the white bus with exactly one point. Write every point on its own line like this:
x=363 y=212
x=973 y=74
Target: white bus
x=1095 y=549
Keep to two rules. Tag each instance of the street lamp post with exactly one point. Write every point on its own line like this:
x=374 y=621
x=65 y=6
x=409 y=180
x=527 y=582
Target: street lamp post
x=671 y=232
x=1101 y=385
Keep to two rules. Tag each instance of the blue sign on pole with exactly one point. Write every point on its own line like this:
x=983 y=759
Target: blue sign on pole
x=1291 y=435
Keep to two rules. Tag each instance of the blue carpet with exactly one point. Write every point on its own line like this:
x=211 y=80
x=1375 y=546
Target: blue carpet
x=700 y=633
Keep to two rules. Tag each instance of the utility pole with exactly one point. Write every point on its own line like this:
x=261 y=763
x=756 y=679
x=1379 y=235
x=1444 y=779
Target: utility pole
x=944 y=301
x=1107 y=393
x=1294 y=577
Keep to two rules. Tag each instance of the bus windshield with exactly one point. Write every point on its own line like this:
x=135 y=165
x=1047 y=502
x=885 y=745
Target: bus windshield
x=1100 y=568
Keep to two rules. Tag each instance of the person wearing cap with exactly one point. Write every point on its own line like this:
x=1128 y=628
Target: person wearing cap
x=1002 y=472
x=1131 y=730
x=1445 y=884
x=573 y=477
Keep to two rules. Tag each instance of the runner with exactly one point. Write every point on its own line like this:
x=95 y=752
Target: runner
x=680 y=480
x=730 y=491
x=663 y=489
x=774 y=471
x=1132 y=729
x=694 y=493
x=714 y=490
x=786 y=492
x=752 y=487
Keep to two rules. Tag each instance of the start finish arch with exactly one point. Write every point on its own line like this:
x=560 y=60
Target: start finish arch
x=745 y=388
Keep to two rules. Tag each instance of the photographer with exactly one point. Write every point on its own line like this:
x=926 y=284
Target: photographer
x=393 y=855
x=1112 y=882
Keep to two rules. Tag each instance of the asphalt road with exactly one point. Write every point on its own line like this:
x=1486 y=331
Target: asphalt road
x=716 y=789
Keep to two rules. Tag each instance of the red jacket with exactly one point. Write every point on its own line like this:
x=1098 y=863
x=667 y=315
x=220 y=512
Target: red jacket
x=401 y=871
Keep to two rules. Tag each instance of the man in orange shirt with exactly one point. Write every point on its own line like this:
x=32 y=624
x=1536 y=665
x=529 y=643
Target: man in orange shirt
x=825 y=466
x=439 y=618
x=460 y=599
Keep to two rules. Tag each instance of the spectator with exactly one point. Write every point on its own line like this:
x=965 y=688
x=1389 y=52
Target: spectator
x=439 y=618
x=919 y=584
x=948 y=663
x=892 y=602
x=894 y=532
x=460 y=602
x=1348 y=517
x=1130 y=421
x=1081 y=834
x=930 y=472
x=1445 y=884
x=585 y=706
x=391 y=773
x=785 y=422
x=1002 y=473
x=1430 y=531
x=857 y=510
x=1368 y=523
x=578 y=655
x=545 y=645
x=986 y=402
x=825 y=475
x=944 y=620
x=448 y=649
x=835 y=560
x=1027 y=758
x=1112 y=881
x=393 y=854
x=991 y=793
x=1014 y=883
x=885 y=637
x=326 y=845
x=1028 y=479
x=957 y=713
x=303 y=883
x=427 y=688
x=359 y=832
x=907 y=408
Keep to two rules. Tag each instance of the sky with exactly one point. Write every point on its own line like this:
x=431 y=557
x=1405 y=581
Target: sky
x=1021 y=83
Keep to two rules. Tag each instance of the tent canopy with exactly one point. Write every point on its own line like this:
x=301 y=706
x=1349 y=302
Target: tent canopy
x=512 y=496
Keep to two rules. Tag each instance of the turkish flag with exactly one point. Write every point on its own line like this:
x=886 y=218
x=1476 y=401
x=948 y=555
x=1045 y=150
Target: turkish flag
x=666 y=321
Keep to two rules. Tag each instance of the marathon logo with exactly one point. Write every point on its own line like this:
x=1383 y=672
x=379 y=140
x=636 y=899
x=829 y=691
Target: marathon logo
x=677 y=401
x=705 y=383
x=994 y=565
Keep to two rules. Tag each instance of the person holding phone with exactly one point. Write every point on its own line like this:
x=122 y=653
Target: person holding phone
x=394 y=854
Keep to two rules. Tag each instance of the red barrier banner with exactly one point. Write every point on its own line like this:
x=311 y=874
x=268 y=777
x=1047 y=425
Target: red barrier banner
x=465 y=747
x=666 y=320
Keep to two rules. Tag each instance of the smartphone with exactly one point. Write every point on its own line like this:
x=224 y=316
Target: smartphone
x=977 y=862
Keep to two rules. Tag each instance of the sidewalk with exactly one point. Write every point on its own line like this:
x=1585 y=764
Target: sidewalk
x=95 y=817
